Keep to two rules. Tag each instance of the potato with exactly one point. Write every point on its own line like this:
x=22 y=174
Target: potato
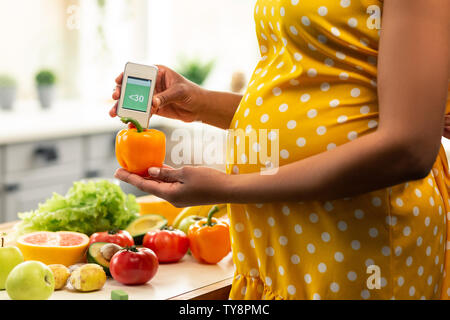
x=61 y=274
x=88 y=277
x=73 y=267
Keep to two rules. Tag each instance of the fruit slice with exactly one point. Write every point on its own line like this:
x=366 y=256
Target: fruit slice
x=63 y=247
x=94 y=255
x=139 y=227
x=151 y=204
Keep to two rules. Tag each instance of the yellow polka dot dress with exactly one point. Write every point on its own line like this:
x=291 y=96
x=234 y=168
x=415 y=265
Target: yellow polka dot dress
x=313 y=90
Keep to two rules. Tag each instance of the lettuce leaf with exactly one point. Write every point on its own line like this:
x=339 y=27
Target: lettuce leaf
x=87 y=207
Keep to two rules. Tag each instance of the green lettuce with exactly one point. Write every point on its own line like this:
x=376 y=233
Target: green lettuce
x=87 y=207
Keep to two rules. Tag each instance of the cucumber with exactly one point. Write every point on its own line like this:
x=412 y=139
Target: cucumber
x=95 y=256
x=143 y=224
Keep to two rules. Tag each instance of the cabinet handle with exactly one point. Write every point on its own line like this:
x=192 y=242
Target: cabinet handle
x=12 y=187
x=92 y=173
x=49 y=154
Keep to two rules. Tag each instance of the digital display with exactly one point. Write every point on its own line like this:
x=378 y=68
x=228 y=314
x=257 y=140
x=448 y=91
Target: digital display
x=136 y=94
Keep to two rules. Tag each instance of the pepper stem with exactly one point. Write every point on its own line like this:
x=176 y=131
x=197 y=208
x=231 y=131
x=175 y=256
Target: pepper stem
x=134 y=122
x=211 y=212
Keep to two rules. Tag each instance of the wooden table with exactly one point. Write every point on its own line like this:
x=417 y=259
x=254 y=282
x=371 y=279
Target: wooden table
x=185 y=280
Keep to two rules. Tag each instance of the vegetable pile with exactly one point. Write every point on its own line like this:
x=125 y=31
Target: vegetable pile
x=87 y=207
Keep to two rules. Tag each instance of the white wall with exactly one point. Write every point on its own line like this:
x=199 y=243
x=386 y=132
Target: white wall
x=31 y=36
x=210 y=29
x=35 y=34
x=103 y=57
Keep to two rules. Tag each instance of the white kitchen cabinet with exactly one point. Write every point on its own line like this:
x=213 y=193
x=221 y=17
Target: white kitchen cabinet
x=32 y=156
x=22 y=200
x=100 y=155
x=104 y=168
x=101 y=146
x=32 y=171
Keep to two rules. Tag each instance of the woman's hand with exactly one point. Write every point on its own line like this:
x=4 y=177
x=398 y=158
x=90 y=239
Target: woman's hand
x=174 y=97
x=182 y=187
x=178 y=98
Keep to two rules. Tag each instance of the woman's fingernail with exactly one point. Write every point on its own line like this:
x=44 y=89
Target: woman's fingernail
x=157 y=101
x=154 y=171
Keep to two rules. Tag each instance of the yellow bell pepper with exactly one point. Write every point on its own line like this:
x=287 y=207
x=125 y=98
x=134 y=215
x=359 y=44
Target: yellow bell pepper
x=138 y=149
x=209 y=238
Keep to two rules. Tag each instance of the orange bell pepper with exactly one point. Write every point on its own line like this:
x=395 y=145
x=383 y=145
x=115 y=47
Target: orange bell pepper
x=209 y=238
x=138 y=149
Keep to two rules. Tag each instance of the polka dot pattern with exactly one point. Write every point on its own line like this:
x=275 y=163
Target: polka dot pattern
x=314 y=90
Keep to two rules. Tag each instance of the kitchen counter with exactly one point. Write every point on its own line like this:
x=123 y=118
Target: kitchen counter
x=184 y=280
x=28 y=122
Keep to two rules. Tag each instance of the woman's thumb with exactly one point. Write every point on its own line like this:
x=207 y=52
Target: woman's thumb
x=165 y=97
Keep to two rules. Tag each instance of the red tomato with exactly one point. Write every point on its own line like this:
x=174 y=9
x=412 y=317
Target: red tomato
x=133 y=265
x=119 y=237
x=170 y=245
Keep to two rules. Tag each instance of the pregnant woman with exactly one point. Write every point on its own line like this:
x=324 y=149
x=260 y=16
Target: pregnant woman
x=357 y=111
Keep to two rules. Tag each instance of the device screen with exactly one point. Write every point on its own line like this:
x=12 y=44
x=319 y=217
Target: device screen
x=137 y=91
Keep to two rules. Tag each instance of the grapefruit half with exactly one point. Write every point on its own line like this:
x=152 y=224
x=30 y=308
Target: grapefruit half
x=62 y=247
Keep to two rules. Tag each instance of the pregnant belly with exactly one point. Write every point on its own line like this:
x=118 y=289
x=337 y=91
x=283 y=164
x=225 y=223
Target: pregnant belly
x=298 y=122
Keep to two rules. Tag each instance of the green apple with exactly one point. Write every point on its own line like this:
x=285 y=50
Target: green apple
x=187 y=222
x=30 y=280
x=9 y=258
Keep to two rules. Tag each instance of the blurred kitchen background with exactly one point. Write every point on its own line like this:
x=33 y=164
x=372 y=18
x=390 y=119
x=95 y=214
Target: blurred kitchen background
x=58 y=62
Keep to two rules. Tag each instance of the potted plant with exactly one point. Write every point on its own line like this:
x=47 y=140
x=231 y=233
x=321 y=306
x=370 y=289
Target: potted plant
x=45 y=82
x=8 y=89
x=195 y=70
